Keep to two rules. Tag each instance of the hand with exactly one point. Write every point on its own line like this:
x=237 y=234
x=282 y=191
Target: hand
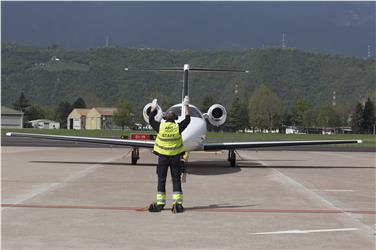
x=186 y=101
x=154 y=104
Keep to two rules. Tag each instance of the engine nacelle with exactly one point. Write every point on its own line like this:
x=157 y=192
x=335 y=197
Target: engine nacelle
x=216 y=115
x=146 y=111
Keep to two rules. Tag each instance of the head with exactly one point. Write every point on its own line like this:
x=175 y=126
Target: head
x=171 y=116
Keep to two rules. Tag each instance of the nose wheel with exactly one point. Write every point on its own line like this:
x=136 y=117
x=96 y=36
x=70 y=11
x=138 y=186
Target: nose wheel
x=183 y=165
x=232 y=157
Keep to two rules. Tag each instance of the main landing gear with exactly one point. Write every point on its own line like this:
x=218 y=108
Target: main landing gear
x=135 y=156
x=232 y=157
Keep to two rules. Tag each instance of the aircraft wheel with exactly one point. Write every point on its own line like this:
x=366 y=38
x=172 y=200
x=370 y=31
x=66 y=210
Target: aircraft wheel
x=135 y=156
x=134 y=161
x=232 y=158
x=233 y=163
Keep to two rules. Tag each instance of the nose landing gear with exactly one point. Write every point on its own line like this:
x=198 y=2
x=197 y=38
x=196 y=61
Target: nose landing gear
x=183 y=161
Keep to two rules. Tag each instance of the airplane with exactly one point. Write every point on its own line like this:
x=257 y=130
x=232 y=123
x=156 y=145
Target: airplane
x=195 y=134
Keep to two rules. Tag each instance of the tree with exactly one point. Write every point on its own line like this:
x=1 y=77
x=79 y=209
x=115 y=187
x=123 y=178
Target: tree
x=21 y=103
x=244 y=114
x=265 y=108
x=298 y=110
x=206 y=103
x=234 y=118
x=36 y=111
x=62 y=112
x=124 y=115
x=79 y=103
x=328 y=117
x=309 y=118
x=357 y=118
x=368 y=116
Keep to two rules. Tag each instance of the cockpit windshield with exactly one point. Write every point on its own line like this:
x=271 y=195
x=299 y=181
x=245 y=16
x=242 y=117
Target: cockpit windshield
x=192 y=110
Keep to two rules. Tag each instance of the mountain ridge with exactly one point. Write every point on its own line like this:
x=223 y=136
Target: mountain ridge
x=98 y=75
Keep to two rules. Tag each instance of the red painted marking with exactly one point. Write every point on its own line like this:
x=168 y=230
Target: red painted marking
x=75 y=207
x=229 y=210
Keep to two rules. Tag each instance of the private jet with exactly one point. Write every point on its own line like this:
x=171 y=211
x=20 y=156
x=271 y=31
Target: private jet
x=195 y=134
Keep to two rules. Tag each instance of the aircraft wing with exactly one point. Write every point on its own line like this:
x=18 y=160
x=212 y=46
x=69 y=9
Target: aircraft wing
x=110 y=141
x=266 y=144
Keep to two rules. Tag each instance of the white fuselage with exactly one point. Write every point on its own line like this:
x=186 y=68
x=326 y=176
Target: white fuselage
x=194 y=134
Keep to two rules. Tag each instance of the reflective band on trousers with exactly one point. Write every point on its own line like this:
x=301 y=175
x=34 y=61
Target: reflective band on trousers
x=169 y=141
x=161 y=199
x=177 y=198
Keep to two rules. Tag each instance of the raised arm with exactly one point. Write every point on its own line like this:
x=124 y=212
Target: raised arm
x=153 y=112
x=184 y=123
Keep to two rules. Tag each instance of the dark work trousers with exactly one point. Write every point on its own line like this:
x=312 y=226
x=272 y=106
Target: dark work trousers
x=162 y=168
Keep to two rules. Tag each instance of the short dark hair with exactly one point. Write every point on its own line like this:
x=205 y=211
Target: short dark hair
x=171 y=116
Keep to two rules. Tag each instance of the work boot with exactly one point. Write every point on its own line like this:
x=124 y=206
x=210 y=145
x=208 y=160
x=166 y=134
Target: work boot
x=177 y=208
x=154 y=208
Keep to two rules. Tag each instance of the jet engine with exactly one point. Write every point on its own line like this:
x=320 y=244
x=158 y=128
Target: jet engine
x=216 y=115
x=146 y=111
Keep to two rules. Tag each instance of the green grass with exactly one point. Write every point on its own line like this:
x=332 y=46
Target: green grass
x=368 y=140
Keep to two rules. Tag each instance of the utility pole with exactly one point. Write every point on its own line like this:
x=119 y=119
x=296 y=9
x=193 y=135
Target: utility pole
x=334 y=99
x=107 y=41
x=283 y=41
x=236 y=90
x=369 y=52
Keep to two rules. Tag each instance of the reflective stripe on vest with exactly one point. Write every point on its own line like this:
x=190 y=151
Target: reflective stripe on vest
x=169 y=141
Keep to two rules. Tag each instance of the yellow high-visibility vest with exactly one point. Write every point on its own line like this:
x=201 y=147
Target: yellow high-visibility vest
x=169 y=141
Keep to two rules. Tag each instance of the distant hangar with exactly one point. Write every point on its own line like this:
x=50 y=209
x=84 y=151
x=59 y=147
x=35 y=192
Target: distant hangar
x=11 y=118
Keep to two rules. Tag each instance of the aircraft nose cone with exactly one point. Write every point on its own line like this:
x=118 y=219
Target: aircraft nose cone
x=194 y=134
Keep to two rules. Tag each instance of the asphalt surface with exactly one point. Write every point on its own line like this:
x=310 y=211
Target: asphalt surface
x=92 y=198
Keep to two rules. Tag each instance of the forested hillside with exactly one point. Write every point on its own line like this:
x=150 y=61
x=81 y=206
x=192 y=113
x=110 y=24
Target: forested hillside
x=48 y=76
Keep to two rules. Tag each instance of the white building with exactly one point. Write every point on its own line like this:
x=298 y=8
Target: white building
x=77 y=119
x=46 y=124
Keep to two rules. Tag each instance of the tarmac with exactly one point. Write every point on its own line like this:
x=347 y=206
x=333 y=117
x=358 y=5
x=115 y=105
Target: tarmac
x=93 y=198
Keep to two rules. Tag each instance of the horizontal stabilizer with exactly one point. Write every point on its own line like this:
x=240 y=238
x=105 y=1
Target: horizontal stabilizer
x=193 y=69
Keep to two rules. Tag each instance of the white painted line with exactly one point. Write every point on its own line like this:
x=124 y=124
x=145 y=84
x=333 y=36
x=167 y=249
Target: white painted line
x=279 y=177
x=309 y=231
x=333 y=190
x=282 y=178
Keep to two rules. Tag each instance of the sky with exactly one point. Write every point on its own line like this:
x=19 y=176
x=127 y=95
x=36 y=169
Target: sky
x=341 y=28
